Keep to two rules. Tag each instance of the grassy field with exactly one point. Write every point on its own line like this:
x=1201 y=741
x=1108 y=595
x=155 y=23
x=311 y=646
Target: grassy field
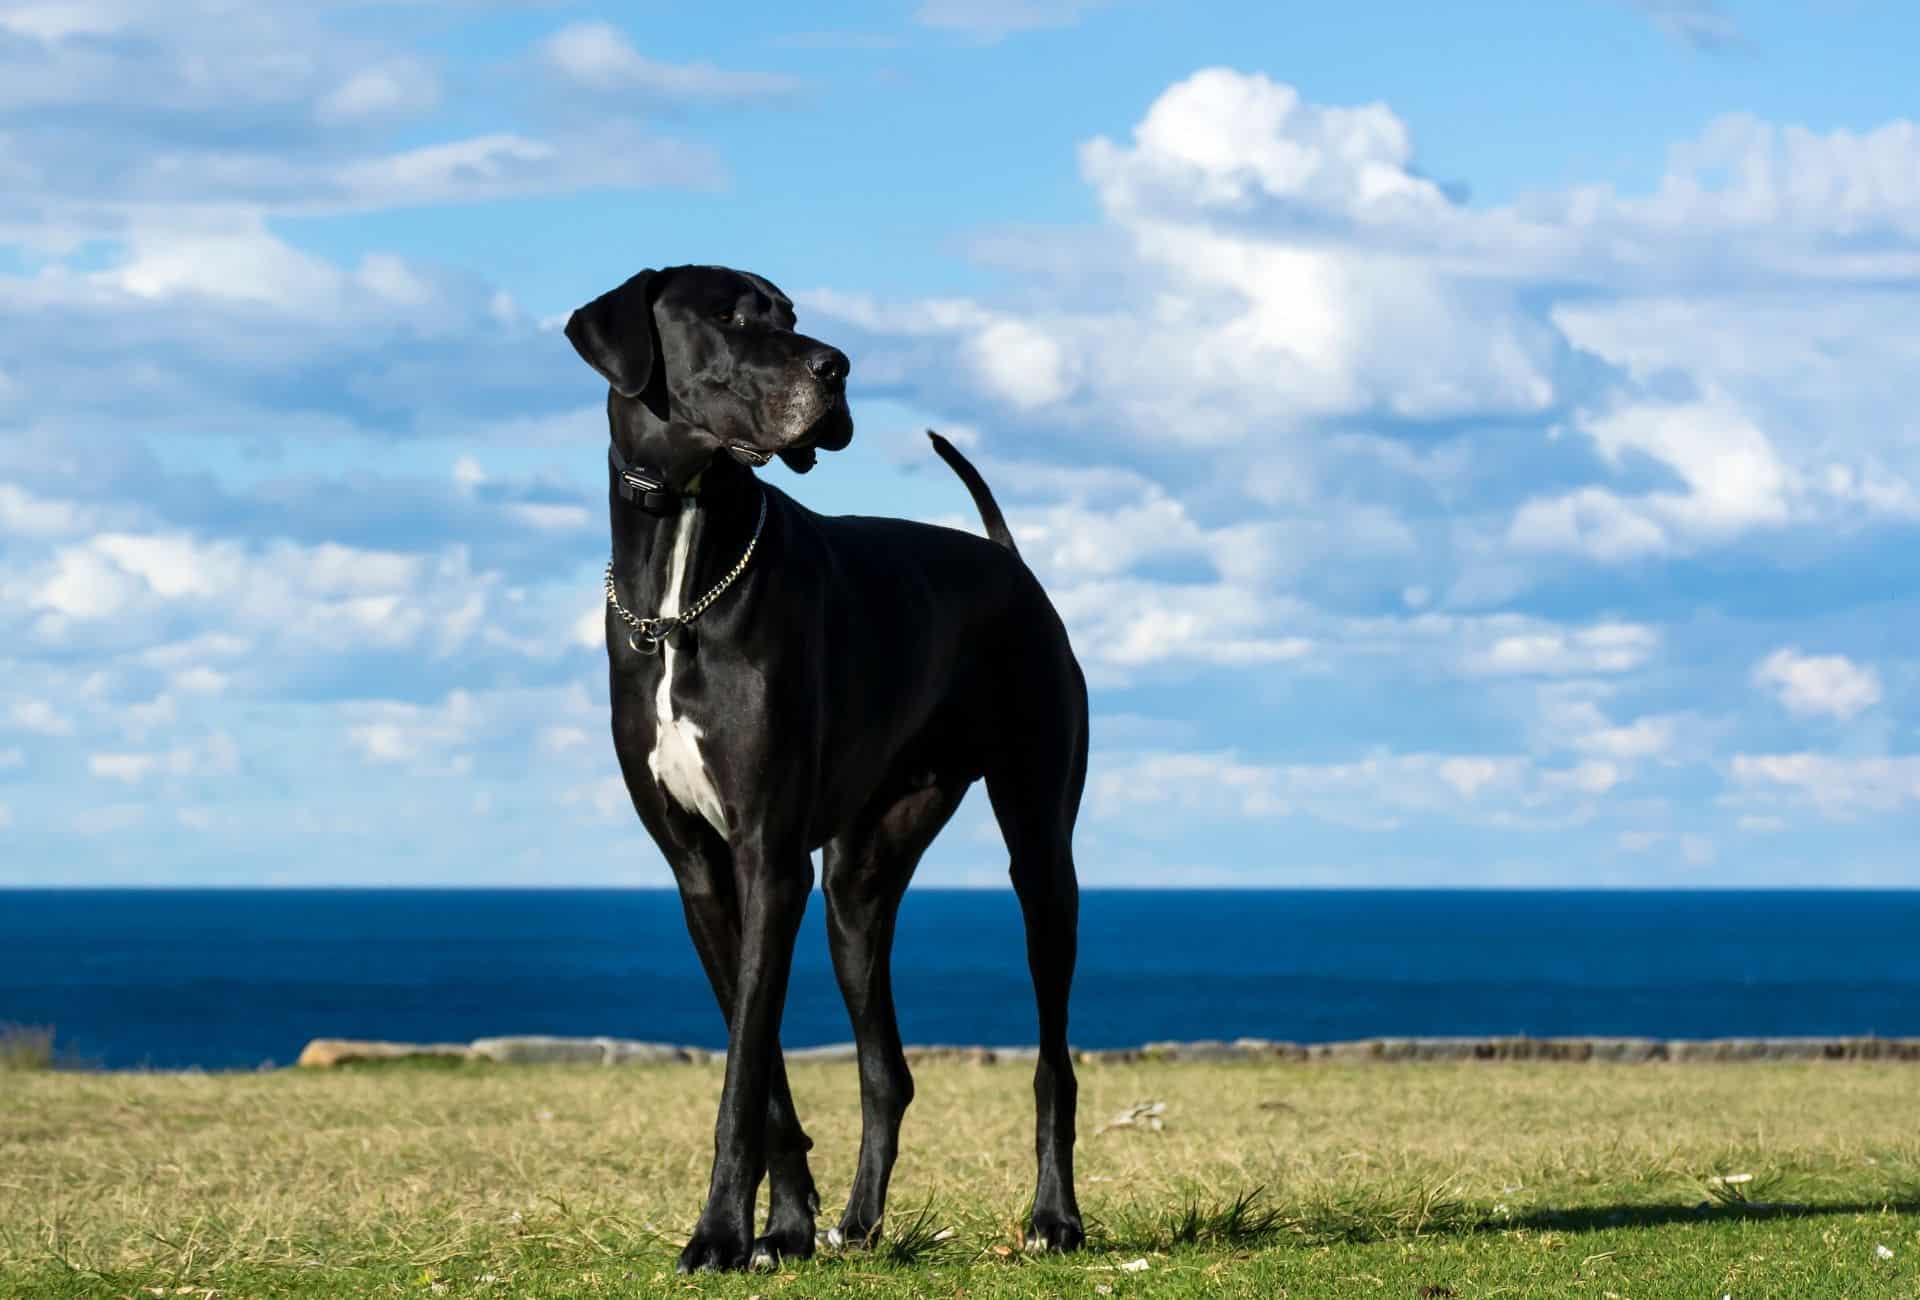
x=1393 y=1181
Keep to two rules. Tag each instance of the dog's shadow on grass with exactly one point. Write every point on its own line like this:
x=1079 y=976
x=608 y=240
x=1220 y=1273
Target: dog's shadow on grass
x=1598 y=1218
x=1250 y=1220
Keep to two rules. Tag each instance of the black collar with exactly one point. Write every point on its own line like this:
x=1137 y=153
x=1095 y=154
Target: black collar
x=643 y=485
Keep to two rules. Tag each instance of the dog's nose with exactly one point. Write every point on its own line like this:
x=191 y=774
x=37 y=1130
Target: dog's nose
x=828 y=365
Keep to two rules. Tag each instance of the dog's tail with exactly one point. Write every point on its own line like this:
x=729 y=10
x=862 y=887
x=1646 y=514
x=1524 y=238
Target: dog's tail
x=982 y=497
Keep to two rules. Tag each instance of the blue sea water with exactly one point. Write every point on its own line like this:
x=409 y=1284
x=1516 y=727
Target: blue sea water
x=232 y=979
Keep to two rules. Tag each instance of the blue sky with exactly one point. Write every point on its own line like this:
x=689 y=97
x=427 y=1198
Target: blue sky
x=1471 y=445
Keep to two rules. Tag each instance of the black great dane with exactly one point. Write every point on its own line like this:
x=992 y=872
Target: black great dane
x=783 y=682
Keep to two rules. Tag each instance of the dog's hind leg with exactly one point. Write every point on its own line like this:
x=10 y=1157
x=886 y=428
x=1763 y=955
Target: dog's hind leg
x=1035 y=785
x=866 y=874
x=707 y=896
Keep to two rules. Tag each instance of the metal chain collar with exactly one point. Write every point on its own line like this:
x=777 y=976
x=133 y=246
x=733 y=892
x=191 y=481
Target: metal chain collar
x=653 y=631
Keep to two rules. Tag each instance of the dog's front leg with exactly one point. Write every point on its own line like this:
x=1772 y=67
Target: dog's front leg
x=773 y=889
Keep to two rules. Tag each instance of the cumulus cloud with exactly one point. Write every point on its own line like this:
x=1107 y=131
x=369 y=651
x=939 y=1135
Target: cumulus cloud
x=298 y=600
x=1733 y=481
x=1841 y=788
x=26 y=515
x=1812 y=685
x=391 y=731
x=598 y=56
x=1274 y=271
x=1547 y=651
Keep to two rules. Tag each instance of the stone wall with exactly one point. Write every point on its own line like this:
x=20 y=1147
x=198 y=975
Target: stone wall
x=544 y=1050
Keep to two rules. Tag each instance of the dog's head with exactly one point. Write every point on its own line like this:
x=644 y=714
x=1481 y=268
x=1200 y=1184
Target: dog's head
x=713 y=352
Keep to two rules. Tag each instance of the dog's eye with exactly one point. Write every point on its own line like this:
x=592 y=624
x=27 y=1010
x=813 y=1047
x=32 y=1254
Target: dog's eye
x=733 y=318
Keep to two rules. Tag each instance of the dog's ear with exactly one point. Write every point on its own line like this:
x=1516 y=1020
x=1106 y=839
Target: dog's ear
x=614 y=335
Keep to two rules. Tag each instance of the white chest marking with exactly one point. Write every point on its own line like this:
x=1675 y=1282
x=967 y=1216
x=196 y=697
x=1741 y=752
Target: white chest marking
x=676 y=762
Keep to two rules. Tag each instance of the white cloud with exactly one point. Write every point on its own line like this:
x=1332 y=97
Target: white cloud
x=131 y=768
x=1733 y=482
x=1593 y=777
x=1695 y=850
x=1570 y=718
x=550 y=517
x=25 y=515
x=1807 y=685
x=1270 y=270
x=590 y=629
x=598 y=56
x=396 y=88
x=1123 y=625
x=991 y=20
x=1469 y=775
x=391 y=731
x=1221 y=138
x=508 y=165
x=1379 y=792
x=606 y=799
x=561 y=740
x=201 y=680
x=214 y=754
x=1649 y=737
x=1698 y=24
x=1550 y=651
x=1841 y=788
x=107 y=819
x=58 y=20
x=1020 y=364
x=308 y=598
x=39 y=717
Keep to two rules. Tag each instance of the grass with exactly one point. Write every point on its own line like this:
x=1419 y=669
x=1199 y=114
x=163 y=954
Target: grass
x=25 y=1047
x=1514 y=1180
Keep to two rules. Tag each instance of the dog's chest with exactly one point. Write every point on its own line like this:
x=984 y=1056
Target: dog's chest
x=676 y=760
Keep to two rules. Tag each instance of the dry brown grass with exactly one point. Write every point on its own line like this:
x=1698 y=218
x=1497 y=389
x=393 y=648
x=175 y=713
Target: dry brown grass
x=182 y=1174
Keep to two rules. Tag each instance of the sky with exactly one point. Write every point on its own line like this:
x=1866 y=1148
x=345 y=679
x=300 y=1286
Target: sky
x=1470 y=445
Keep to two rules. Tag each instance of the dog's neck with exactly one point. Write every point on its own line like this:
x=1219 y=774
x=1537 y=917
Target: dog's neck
x=665 y=555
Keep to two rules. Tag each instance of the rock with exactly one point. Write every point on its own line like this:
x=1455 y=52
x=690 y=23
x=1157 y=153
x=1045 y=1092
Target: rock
x=627 y=1051
x=325 y=1053
x=917 y=1053
x=541 y=1049
x=832 y=1052
x=547 y=1049
x=1209 y=1049
x=1604 y=1049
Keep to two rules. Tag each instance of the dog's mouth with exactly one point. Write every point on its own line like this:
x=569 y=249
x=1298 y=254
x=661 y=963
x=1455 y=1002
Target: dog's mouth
x=831 y=431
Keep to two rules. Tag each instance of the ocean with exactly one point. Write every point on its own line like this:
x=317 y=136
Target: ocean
x=239 y=979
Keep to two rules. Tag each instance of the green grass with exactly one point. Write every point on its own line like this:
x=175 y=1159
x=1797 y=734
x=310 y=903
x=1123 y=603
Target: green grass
x=1267 y=1180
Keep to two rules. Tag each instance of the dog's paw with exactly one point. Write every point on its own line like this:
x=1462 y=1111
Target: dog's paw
x=851 y=1235
x=781 y=1244
x=714 y=1249
x=1054 y=1231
